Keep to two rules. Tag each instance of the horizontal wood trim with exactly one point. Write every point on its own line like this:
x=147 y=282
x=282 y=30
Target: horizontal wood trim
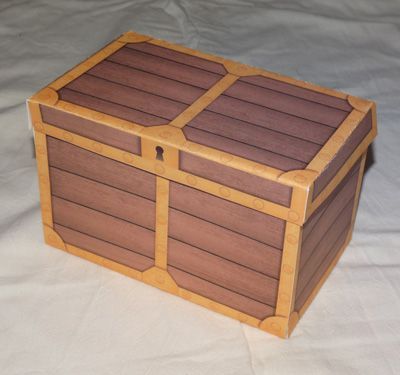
x=234 y=178
x=242 y=150
x=224 y=273
x=165 y=68
x=104 y=227
x=87 y=164
x=286 y=103
x=224 y=243
x=299 y=92
x=345 y=151
x=104 y=249
x=90 y=129
x=104 y=198
x=220 y=295
x=179 y=57
x=254 y=224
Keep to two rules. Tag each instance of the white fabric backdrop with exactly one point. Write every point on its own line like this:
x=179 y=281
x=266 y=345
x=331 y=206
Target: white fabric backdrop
x=62 y=315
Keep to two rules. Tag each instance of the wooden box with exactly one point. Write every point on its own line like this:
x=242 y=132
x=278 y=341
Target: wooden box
x=230 y=186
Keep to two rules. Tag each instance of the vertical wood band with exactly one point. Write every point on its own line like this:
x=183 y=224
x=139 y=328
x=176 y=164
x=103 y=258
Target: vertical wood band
x=162 y=203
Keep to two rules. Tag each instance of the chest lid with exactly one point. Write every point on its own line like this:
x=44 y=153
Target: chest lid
x=209 y=116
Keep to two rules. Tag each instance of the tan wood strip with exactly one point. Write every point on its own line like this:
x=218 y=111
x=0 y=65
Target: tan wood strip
x=104 y=227
x=233 y=178
x=222 y=272
x=88 y=164
x=104 y=198
x=221 y=295
x=104 y=249
x=224 y=243
x=286 y=103
x=232 y=216
x=161 y=243
x=206 y=99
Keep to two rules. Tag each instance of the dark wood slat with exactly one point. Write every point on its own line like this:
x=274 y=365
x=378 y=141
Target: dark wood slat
x=180 y=57
x=128 y=96
x=240 y=219
x=104 y=249
x=90 y=129
x=224 y=243
x=79 y=161
x=287 y=104
x=104 y=227
x=147 y=82
x=302 y=297
x=103 y=198
x=253 y=135
x=242 y=150
x=299 y=92
x=271 y=119
x=234 y=178
x=221 y=295
x=222 y=272
x=340 y=158
x=109 y=108
x=166 y=68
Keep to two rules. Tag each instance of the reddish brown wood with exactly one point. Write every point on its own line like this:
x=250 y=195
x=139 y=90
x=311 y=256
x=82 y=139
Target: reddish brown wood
x=340 y=158
x=103 y=198
x=180 y=57
x=104 y=249
x=84 y=163
x=240 y=219
x=91 y=129
x=224 y=243
x=103 y=227
x=221 y=295
x=299 y=92
x=222 y=272
x=165 y=68
x=236 y=179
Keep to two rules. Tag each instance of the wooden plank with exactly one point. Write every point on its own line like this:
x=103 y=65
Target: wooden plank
x=103 y=227
x=221 y=295
x=286 y=103
x=91 y=129
x=127 y=96
x=242 y=150
x=237 y=218
x=104 y=249
x=299 y=92
x=148 y=82
x=104 y=198
x=224 y=243
x=234 y=178
x=180 y=57
x=345 y=151
x=222 y=272
x=84 y=163
x=165 y=68
x=271 y=119
x=109 y=108
x=254 y=135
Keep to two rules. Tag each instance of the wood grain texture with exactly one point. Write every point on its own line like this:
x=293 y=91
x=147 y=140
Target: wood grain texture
x=91 y=129
x=227 y=214
x=346 y=150
x=234 y=178
x=222 y=272
x=103 y=227
x=103 y=198
x=104 y=249
x=87 y=164
x=224 y=243
x=221 y=295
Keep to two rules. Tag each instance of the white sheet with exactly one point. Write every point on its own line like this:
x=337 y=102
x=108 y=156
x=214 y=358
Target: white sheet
x=62 y=315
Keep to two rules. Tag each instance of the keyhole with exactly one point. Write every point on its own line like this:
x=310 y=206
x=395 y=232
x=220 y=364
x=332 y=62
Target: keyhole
x=160 y=152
